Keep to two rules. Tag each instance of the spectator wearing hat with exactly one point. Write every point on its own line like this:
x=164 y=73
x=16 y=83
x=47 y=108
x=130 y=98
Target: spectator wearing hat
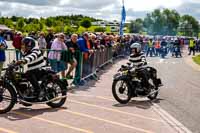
x=17 y=44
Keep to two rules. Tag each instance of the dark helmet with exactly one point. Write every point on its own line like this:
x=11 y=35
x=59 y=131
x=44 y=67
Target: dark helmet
x=29 y=43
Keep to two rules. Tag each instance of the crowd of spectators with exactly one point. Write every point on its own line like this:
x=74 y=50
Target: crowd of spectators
x=53 y=44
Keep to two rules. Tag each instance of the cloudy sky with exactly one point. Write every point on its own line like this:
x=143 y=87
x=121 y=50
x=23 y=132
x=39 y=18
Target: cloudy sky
x=104 y=9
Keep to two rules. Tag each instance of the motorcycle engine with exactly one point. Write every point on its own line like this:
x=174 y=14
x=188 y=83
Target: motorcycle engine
x=141 y=91
x=26 y=89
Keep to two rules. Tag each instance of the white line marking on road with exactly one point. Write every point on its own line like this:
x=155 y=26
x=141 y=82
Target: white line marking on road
x=179 y=127
x=175 y=124
x=115 y=110
x=108 y=121
x=6 y=130
x=52 y=122
x=91 y=96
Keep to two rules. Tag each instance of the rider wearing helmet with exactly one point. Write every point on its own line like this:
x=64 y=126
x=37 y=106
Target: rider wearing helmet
x=34 y=59
x=138 y=60
x=137 y=57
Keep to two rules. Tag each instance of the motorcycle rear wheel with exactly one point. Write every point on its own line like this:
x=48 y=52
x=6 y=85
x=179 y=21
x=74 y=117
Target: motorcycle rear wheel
x=153 y=96
x=63 y=92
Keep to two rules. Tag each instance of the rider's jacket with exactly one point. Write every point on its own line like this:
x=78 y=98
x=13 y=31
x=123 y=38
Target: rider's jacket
x=34 y=59
x=138 y=59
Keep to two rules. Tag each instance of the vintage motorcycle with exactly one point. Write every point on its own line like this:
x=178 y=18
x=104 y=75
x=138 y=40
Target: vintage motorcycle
x=15 y=88
x=128 y=84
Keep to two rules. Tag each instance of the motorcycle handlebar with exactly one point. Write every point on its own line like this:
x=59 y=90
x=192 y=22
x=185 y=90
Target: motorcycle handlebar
x=14 y=65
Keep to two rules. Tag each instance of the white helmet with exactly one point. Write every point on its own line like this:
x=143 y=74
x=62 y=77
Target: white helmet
x=136 y=46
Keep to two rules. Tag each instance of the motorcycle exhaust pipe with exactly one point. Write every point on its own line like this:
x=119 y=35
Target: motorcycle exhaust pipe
x=153 y=92
x=52 y=100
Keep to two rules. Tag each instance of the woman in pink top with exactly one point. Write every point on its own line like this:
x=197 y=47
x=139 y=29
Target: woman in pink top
x=54 y=55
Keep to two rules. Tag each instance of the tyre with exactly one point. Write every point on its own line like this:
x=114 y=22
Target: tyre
x=8 y=98
x=121 y=91
x=56 y=89
x=153 y=88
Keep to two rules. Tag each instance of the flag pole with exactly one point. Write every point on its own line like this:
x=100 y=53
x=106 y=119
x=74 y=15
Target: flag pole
x=123 y=19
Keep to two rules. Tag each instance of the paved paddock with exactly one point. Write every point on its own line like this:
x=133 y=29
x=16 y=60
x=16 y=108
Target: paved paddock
x=90 y=109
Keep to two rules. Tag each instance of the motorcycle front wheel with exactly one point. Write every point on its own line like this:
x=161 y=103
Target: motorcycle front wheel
x=8 y=98
x=121 y=91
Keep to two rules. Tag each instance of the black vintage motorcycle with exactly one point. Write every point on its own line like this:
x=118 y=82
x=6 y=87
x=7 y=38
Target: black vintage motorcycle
x=15 y=88
x=127 y=84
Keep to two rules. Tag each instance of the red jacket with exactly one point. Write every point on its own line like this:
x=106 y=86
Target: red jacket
x=17 y=42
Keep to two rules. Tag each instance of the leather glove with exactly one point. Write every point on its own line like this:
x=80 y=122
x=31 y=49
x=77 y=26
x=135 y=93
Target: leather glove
x=19 y=62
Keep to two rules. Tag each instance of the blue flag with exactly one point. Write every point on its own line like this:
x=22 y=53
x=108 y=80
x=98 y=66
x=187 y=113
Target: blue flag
x=123 y=19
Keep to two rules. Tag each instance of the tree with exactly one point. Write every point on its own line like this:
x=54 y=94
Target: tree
x=171 y=21
x=69 y=30
x=100 y=29
x=49 y=22
x=20 y=24
x=35 y=21
x=148 y=23
x=32 y=27
x=136 y=26
x=158 y=22
x=41 y=25
x=58 y=28
x=9 y=23
x=189 y=25
x=2 y=20
x=163 y=22
x=86 y=23
x=14 y=18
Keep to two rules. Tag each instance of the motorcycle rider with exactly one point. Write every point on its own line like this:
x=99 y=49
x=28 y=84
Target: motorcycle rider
x=34 y=59
x=138 y=60
x=163 y=50
x=177 y=47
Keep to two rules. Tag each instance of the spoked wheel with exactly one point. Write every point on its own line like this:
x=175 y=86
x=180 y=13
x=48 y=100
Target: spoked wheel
x=56 y=89
x=121 y=91
x=154 y=88
x=7 y=99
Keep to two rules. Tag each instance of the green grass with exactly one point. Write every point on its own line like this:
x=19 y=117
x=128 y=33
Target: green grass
x=196 y=59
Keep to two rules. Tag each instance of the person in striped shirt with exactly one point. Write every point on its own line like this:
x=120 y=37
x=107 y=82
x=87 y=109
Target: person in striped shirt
x=34 y=59
x=137 y=59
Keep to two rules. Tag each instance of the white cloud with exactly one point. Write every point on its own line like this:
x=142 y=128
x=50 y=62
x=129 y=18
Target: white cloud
x=104 y=9
x=148 y=5
x=64 y=2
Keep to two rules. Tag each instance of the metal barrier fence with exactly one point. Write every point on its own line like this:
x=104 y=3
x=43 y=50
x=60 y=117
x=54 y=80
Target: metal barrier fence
x=98 y=59
x=85 y=67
